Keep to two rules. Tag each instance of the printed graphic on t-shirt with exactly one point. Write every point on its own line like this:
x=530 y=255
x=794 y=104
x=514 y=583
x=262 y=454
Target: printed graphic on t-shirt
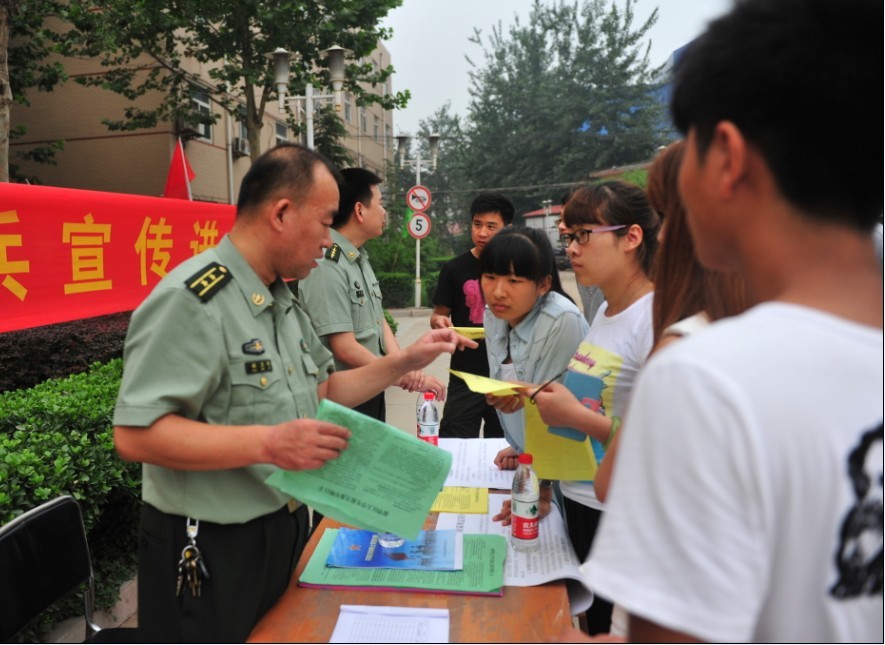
x=601 y=363
x=859 y=558
x=473 y=300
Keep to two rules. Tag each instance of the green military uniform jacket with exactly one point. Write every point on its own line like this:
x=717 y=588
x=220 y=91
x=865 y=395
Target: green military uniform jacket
x=213 y=343
x=343 y=295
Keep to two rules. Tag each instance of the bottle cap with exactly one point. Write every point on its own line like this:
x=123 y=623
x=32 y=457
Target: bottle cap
x=525 y=458
x=428 y=396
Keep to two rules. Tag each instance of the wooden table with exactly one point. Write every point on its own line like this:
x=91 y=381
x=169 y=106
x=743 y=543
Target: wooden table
x=522 y=615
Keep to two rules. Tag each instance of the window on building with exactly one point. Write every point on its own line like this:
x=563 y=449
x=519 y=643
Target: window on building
x=282 y=133
x=388 y=139
x=348 y=108
x=363 y=122
x=376 y=128
x=200 y=104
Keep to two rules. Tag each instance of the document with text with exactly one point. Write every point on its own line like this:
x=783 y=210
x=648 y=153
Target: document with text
x=553 y=560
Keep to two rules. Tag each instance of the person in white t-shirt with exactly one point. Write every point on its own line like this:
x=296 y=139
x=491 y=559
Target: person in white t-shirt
x=746 y=502
x=611 y=240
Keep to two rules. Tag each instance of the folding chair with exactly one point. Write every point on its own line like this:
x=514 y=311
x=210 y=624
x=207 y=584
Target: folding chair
x=43 y=557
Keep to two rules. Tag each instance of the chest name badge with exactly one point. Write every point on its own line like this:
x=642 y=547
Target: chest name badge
x=257 y=367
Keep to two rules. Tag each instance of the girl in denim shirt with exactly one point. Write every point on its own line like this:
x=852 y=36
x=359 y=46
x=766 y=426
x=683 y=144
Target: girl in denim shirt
x=532 y=328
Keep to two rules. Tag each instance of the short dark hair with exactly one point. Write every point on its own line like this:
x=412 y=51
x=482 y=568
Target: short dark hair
x=287 y=166
x=616 y=202
x=493 y=203
x=522 y=251
x=796 y=77
x=354 y=186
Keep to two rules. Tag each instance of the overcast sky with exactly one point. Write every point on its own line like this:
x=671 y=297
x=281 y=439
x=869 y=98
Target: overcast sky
x=430 y=41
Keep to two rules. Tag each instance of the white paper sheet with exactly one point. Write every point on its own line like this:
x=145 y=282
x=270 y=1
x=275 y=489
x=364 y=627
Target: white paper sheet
x=473 y=463
x=370 y=624
x=553 y=560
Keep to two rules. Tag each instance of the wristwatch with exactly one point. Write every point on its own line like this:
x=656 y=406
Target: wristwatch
x=546 y=483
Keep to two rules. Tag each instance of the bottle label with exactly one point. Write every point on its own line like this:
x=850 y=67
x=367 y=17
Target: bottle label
x=429 y=432
x=524 y=519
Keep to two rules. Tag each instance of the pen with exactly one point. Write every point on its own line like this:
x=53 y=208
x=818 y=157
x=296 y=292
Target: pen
x=534 y=394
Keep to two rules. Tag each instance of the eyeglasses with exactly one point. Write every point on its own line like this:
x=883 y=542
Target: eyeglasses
x=582 y=235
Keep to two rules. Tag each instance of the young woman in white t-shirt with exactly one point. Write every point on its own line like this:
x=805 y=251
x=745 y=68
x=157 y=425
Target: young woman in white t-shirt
x=611 y=240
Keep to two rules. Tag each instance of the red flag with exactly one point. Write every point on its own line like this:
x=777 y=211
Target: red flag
x=178 y=181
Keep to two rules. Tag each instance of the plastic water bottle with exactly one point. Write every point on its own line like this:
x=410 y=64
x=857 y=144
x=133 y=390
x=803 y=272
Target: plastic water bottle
x=525 y=505
x=428 y=419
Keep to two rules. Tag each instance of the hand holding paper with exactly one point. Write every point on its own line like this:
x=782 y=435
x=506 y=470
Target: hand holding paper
x=486 y=385
x=385 y=480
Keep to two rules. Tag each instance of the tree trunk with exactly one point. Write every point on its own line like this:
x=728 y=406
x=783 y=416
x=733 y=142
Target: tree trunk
x=5 y=92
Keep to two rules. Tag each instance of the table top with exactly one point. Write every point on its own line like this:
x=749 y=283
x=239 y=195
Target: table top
x=521 y=615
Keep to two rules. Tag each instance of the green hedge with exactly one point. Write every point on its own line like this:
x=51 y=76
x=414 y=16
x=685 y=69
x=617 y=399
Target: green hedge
x=398 y=289
x=57 y=438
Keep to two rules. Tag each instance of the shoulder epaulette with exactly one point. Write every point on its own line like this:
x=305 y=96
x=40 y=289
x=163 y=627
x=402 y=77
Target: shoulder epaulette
x=208 y=281
x=334 y=252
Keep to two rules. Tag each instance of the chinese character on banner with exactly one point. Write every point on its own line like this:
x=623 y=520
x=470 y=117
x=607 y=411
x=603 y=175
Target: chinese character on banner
x=207 y=232
x=87 y=255
x=156 y=240
x=7 y=266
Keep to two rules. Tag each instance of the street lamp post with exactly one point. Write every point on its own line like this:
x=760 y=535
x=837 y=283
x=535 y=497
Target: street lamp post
x=335 y=56
x=402 y=142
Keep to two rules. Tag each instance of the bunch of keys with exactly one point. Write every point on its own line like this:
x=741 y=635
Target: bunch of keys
x=191 y=568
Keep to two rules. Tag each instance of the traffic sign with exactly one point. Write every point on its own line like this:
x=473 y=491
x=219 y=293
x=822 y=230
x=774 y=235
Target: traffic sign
x=418 y=198
x=419 y=226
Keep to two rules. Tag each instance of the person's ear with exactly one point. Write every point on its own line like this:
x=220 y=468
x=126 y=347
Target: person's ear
x=633 y=238
x=728 y=155
x=278 y=212
x=545 y=285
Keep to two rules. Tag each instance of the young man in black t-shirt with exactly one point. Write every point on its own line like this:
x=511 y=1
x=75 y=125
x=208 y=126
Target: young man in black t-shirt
x=458 y=302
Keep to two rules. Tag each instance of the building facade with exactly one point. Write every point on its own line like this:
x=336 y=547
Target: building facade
x=137 y=162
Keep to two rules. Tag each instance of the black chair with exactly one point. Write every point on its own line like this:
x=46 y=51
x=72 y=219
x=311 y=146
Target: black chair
x=44 y=556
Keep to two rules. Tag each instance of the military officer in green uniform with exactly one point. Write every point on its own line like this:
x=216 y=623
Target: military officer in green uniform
x=343 y=297
x=222 y=378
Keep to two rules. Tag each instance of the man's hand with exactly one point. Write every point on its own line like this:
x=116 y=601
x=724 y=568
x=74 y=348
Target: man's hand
x=305 y=444
x=440 y=321
x=421 y=353
x=507 y=459
x=418 y=381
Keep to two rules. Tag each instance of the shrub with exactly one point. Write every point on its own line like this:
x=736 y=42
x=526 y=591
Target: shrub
x=56 y=439
x=31 y=356
x=398 y=289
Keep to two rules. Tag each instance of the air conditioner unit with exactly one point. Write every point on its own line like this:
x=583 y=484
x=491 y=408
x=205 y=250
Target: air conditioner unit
x=241 y=147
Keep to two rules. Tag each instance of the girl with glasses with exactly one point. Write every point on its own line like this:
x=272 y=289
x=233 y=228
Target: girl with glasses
x=611 y=236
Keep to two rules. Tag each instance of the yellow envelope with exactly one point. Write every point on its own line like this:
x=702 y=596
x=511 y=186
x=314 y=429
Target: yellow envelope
x=473 y=333
x=486 y=385
x=556 y=457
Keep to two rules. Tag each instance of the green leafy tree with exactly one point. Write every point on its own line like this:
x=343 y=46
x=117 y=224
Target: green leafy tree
x=565 y=94
x=148 y=49
x=26 y=42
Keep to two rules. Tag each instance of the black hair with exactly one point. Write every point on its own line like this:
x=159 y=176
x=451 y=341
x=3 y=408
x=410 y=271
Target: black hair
x=616 y=202
x=288 y=167
x=524 y=252
x=798 y=80
x=493 y=203
x=354 y=186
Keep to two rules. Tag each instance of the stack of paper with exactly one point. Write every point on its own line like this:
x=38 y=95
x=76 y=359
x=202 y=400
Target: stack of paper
x=432 y=551
x=482 y=573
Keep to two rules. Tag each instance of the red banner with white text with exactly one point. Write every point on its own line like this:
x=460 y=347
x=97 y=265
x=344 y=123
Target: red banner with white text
x=69 y=254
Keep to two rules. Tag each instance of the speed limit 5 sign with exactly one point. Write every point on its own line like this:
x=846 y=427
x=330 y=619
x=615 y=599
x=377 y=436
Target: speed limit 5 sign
x=419 y=226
